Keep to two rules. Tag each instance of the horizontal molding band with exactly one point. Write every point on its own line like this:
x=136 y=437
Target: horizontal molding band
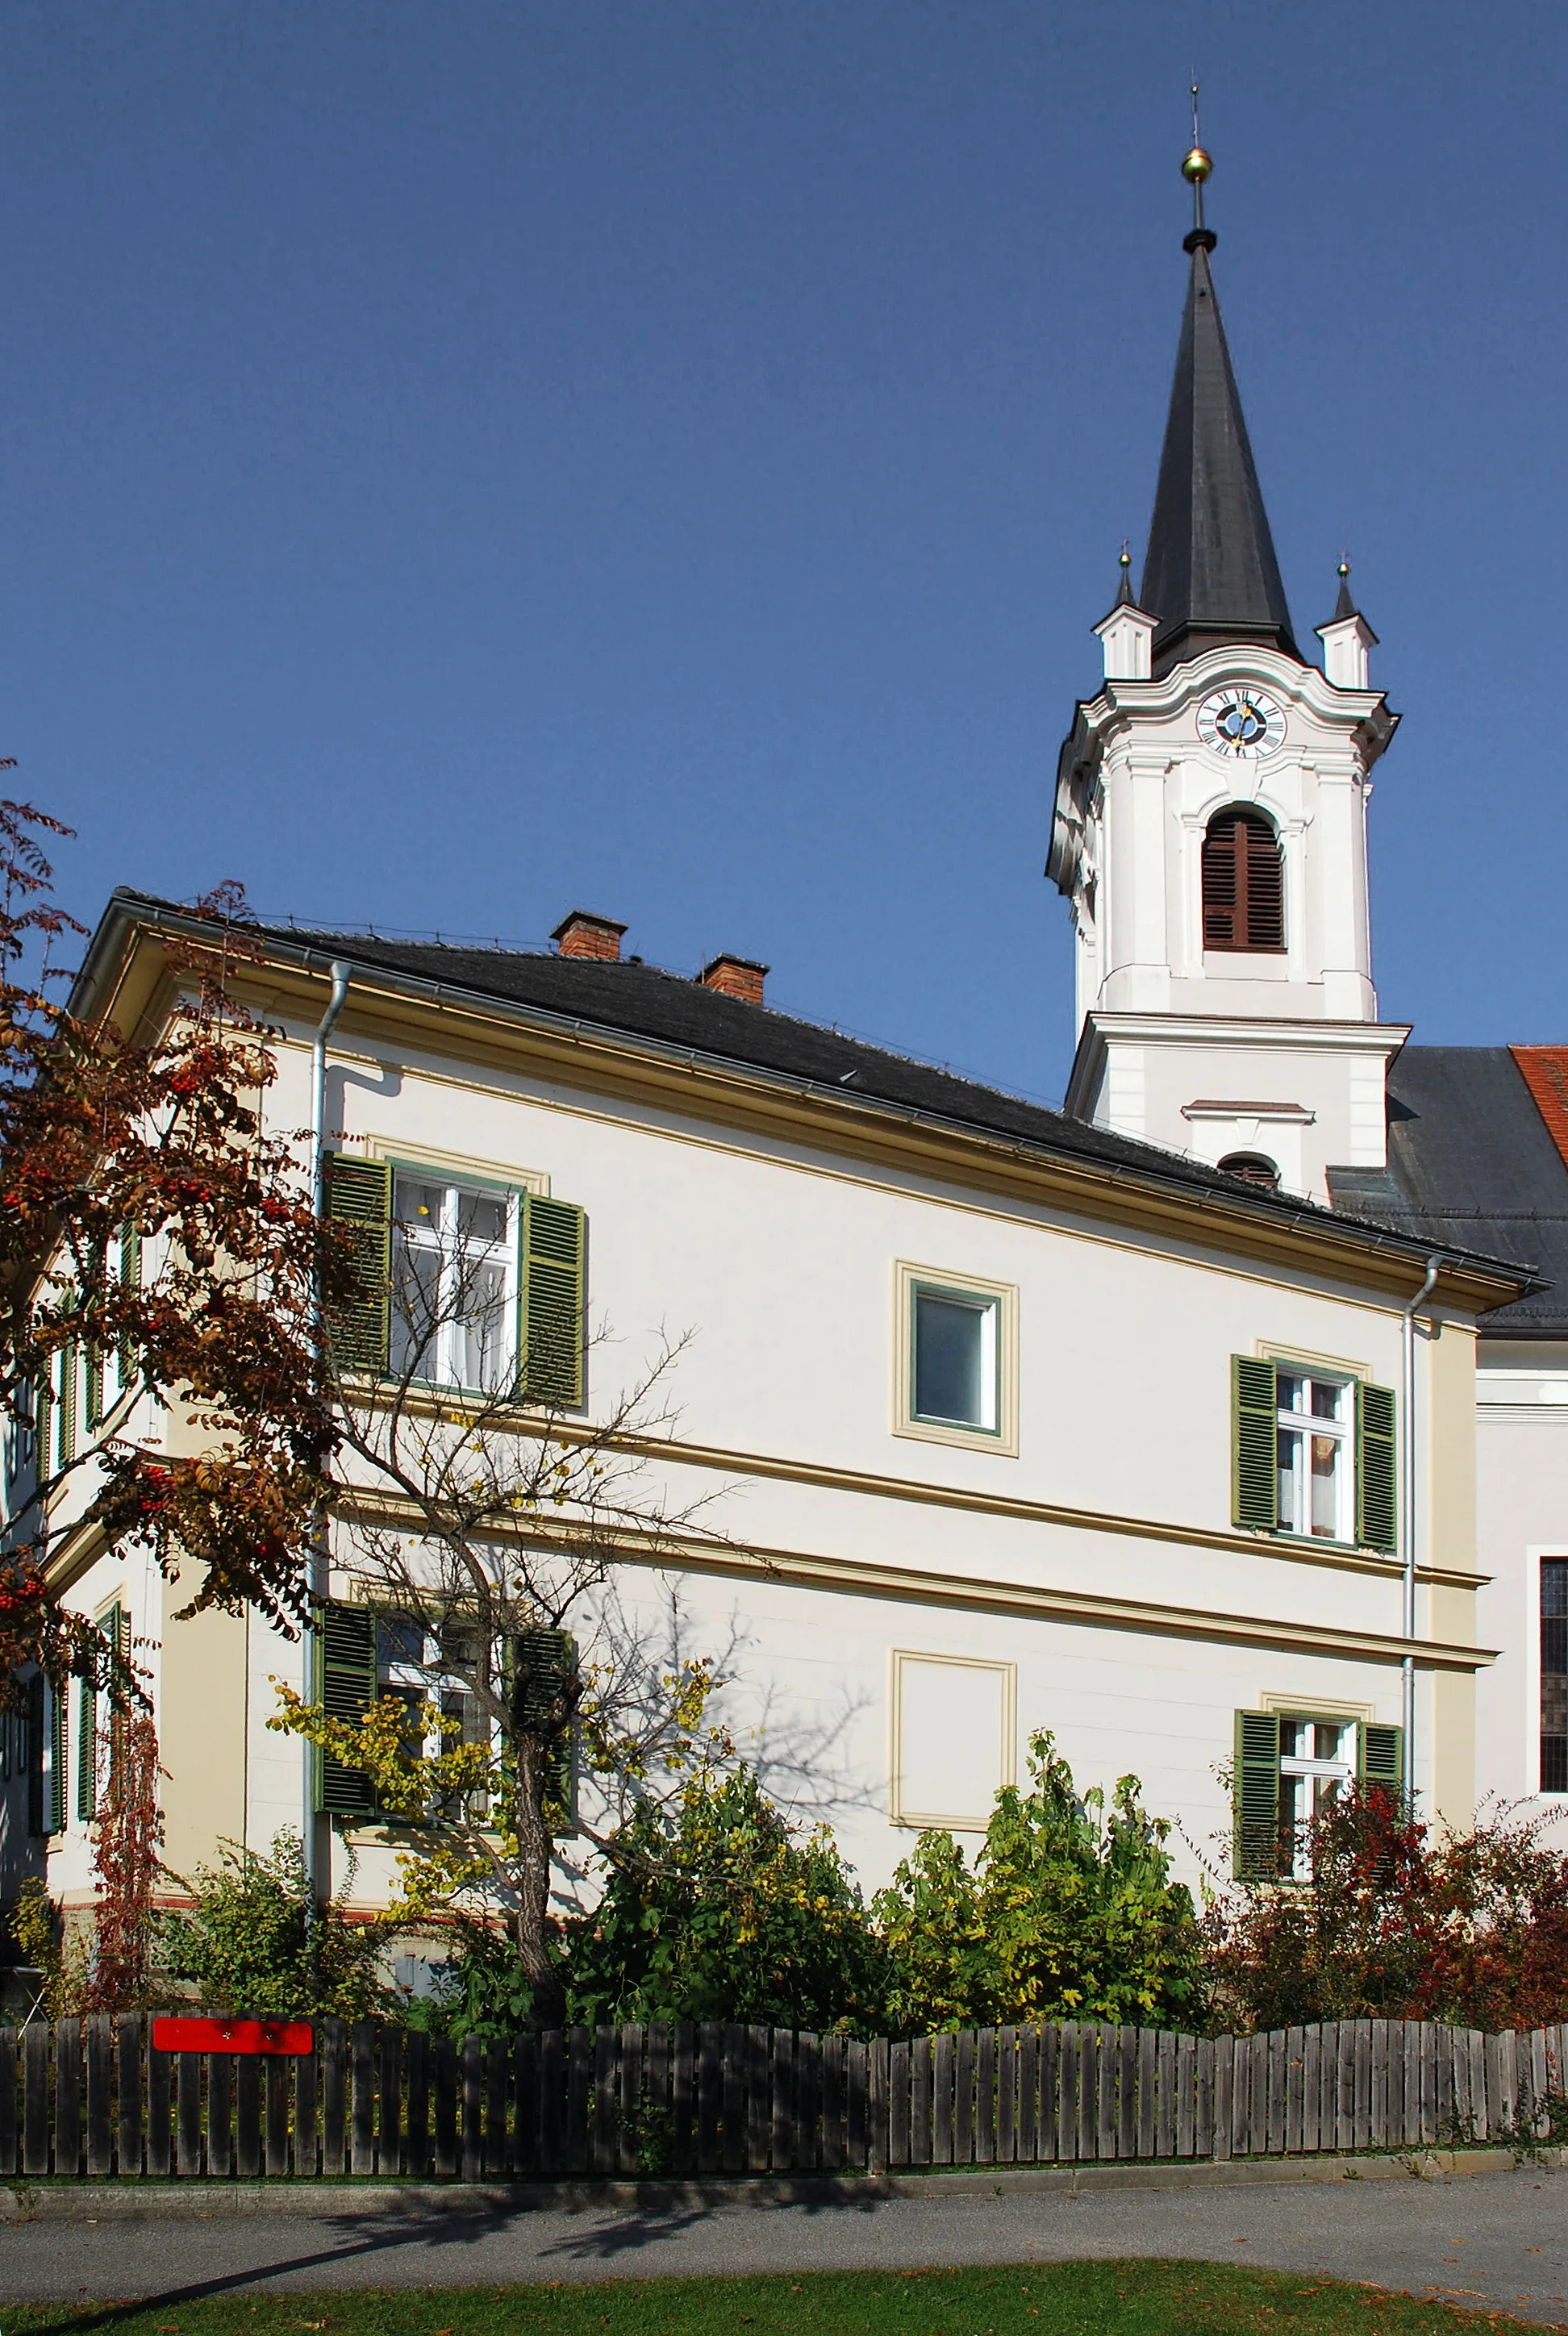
x=779 y=1468
x=696 y=1554
x=1046 y=1512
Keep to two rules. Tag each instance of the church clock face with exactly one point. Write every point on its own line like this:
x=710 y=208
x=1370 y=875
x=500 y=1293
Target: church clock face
x=1243 y=724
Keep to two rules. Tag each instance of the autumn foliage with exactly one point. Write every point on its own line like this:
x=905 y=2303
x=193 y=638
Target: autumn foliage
x=116 y=1145
x=1401 y=1922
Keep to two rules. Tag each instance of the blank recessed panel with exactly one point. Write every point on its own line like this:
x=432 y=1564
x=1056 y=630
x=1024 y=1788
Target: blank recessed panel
x=953 y=1748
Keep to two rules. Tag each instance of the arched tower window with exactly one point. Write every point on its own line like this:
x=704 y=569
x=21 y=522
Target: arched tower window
x=1244 y=882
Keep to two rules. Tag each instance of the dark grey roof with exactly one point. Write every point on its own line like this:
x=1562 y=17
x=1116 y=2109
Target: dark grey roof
x=675 y=1010
x=1471 y=1165
x=1210 y=574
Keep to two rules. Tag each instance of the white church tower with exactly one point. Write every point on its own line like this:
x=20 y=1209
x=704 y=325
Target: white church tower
x=1211 y=826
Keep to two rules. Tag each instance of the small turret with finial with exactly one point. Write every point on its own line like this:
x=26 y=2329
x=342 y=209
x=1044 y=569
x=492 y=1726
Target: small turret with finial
x=1346 y=638
x=1127 y=631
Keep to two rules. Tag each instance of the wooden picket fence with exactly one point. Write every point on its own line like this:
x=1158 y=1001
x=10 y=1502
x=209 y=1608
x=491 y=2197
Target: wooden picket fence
x=93 y=2097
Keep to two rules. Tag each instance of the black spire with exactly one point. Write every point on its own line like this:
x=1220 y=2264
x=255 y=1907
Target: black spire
x=1210 y=574
x=1345 y=605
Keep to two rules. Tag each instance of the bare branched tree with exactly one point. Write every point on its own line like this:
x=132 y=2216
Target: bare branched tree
x=486 y=1692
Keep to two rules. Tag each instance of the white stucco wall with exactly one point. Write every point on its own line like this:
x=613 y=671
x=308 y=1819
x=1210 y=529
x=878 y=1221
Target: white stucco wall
x=1521 y=1473
x=781 y=1262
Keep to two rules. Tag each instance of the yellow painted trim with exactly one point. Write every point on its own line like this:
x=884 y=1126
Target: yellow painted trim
x=1000 y=1442
x=1007 y=1748
x=916 y=1586
x=456 y=1166
x=482 y=1032
x=1268 y=1350
x=78 y=1550
x=1316 y=1707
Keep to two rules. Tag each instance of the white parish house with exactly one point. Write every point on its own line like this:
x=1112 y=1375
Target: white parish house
x=1153 y=1422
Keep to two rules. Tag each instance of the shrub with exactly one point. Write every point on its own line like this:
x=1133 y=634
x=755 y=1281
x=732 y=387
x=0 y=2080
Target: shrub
x=1397 y=1924
x=1068 y=1912
x=246 y=1945
x=720 y=1909
x=481 y=1990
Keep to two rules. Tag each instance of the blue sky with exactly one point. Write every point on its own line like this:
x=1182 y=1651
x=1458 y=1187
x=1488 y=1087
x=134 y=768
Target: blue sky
x=461 y=463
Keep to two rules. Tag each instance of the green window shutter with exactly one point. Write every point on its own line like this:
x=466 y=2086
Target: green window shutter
x=1380 y=1755
x=1377 y=1474
x=58 y=1742
x=1256 y=1794
x=65 y=1411
x=86 y=1751
x=129 y=1279
x=1254 y=1443
x=543 y=1665
x=551 y=1301
x=345 y=1688
x=359 y=1198
x=35 y=1753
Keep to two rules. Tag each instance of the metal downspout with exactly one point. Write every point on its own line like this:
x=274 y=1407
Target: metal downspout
x=317 y=1584
x=1407 y=1518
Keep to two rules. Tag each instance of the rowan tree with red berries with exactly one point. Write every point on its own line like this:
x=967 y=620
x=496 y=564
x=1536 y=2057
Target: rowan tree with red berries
x=158 y=1248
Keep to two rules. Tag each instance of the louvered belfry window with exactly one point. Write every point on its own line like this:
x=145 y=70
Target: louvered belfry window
x=1244 y=882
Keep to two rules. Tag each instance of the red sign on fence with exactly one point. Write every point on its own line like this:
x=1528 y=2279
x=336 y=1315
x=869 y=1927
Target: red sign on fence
x=180 y=2035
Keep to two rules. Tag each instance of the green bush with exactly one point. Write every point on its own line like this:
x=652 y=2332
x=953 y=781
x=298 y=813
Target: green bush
x=723 y=1909
x=481 y=1988
x=245 y=1945
x=1068 y=1913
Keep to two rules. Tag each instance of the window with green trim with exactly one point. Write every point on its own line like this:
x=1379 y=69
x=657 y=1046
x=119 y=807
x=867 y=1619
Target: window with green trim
x=1288 y=1768
x=1313 y=1452
x=460 y=1284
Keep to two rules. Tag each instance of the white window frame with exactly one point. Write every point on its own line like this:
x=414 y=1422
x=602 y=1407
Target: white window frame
x=451 y=1339
x=1303 y=1426
x=433 y=1685
x=1314 y=1768
x=1000 y=1299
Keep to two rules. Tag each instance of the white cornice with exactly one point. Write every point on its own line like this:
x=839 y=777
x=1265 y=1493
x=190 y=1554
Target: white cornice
x=1380 y=1040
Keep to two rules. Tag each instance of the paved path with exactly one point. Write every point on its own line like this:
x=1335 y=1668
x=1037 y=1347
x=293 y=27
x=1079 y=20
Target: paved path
x=1496 y=2239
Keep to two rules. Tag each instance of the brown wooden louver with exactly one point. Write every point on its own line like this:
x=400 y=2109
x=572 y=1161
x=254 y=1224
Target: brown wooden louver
x=1244 y=883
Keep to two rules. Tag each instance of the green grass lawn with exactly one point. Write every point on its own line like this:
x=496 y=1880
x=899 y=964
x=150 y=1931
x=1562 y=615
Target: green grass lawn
x=1076 y=2298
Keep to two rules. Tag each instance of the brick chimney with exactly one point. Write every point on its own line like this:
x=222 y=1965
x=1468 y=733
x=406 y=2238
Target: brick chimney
x=735 y=976
x=581 y=935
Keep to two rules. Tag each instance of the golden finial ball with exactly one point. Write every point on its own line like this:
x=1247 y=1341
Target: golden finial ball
x=1197 y=167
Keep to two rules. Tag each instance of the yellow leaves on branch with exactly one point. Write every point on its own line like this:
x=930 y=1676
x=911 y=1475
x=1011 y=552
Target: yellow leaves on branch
x=389 y=1745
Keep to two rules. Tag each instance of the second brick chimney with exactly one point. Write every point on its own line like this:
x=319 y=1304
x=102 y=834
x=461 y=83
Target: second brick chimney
x=735 y=976
x=581 y=935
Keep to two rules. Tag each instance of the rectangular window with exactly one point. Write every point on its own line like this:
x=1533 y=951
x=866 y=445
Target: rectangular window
x=454 y=1284
x=956 y=1381
x=955 y=1360
x=424 y=1666
x=1315 y=1456
x=1288 y=1766
x=1555 y=1674
x=1312 y=1452
x=1315 y=1757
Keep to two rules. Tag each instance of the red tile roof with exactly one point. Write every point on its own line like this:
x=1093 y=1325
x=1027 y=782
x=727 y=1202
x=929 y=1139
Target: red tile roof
x=1544 y=1071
